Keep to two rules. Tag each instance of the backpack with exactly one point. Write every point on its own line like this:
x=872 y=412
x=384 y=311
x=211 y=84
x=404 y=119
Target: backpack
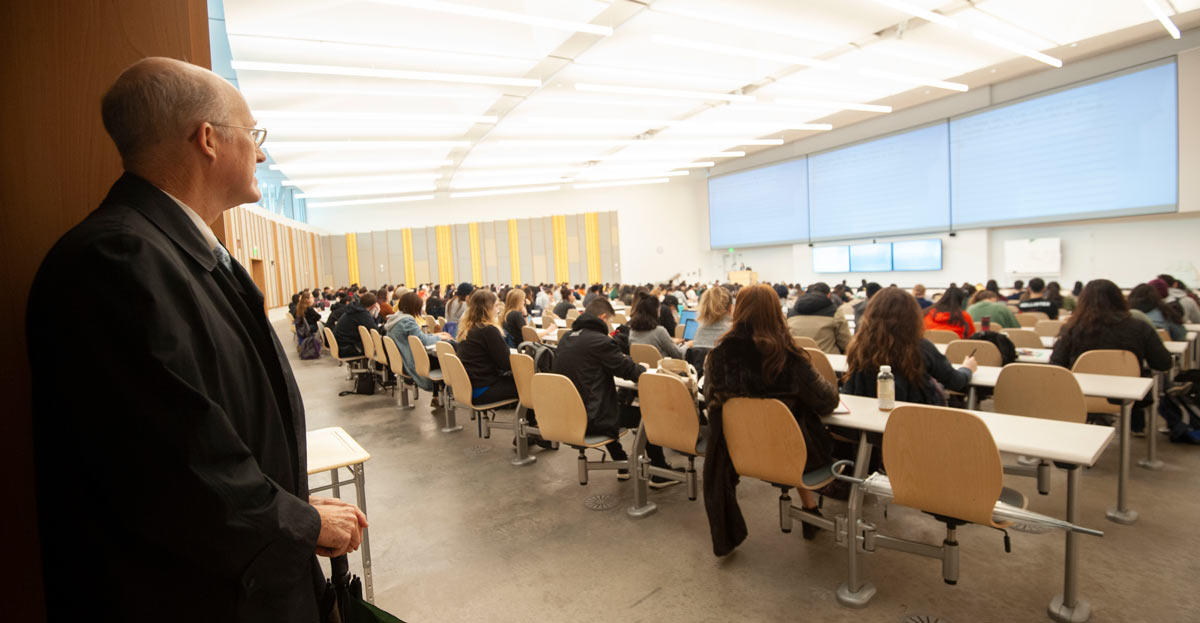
x=309 y=346
x=1180 y=407
x=1008 y=351
x=364 y=384
x=542 y=354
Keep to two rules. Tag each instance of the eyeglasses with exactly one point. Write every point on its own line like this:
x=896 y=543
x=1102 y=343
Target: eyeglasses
x=259 y=135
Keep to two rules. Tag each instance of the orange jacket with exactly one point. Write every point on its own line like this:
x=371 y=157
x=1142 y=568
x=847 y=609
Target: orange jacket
x=941 y=320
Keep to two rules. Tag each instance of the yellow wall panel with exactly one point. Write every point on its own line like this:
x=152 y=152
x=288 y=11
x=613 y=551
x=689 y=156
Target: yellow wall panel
x=410 y=268
x=514 y=250
x=352 y=256
x=591 y=224
x=476 y=261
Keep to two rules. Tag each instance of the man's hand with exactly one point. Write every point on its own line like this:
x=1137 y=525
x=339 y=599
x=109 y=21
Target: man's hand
x=341 y=526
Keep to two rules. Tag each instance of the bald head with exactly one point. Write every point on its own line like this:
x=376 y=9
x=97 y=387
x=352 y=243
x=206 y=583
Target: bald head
x=157 y=103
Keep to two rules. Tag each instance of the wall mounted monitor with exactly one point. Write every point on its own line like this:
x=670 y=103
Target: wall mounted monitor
x=760 y=206
x=917 y=255
x=870 y=258
x=892 y=185
x=831 y=259
x=1105 y=148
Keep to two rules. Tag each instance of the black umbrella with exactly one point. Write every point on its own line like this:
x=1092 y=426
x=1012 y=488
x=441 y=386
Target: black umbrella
x=343 y=601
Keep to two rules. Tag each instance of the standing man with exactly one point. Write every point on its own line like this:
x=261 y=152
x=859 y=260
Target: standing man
x=170 y=443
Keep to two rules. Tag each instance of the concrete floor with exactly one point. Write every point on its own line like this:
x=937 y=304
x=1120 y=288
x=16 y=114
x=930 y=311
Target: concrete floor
x=459 y=535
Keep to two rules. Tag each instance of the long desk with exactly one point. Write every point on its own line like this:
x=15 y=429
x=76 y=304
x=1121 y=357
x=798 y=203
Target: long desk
x=1024 y=355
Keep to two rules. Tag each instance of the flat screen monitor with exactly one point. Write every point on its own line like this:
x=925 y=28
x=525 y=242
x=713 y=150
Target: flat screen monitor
x=689 y=328
x=917 y=255
x=764 y=205
x=831 y=259
x=1101 y=149
x=892 y=185
x=870 y=258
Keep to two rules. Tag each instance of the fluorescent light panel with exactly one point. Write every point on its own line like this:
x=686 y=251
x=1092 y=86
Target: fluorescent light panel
x=657 y=180
x=362 y=179
x=372 y=116
x=351 y=145
x=742 y=52
x=421 y=93
x=1162 y=17
x=394 y=74
x=692 y=95
x=519 y=181
x=359 y=202
x=354 y=167
x=633 y=142
x=353 y=193
x=505 y=191
x=502 y=16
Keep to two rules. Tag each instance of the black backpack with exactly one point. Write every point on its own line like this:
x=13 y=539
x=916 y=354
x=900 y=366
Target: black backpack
x=1008 y=351
x=542 y=354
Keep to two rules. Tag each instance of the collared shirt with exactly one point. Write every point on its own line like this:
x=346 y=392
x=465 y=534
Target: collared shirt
x=205 y=230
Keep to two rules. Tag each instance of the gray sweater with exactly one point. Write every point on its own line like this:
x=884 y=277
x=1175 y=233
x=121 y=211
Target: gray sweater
x=706 y=336
x=659 y=339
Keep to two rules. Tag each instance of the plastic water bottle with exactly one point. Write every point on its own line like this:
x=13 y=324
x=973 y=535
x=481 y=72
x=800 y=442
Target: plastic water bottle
x=885 y=388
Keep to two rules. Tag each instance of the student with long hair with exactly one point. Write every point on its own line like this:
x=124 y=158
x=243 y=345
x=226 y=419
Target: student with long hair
x=514 y=317
x=483 y=351
x=758 y=358
x=644 y=328
x=305 y=312
x=896 y=337
x=458 y=304
x=405 y=323
x=947 y=314
x=1145 y=298
x=714 y=317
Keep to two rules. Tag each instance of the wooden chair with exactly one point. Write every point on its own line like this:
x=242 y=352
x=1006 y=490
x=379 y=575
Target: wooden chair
x=821 y=363
x=940 y=336
x=355 y=363
x=456 y=375
x=1048 y=328
x=1030 y=319
x=572 y=314
x=645 y=354
x=1047 y=392
x=396 y=365
x=986 y=352
x=945 y=462
x=669 y=419
x=523 y=370
x=549 y=319
x=563 y=418
x=562 y=333
x=381 y=361
x=529 y=334
x=765 y=442
x=803 y=341
x=619 y=319
x=1114 y=362
x=1023 y=338
x=430 y=323
x=1163 y=335
x=291 y=320
x=679 y=331
x=424 y=367
x=441 y=323
x=368 y=345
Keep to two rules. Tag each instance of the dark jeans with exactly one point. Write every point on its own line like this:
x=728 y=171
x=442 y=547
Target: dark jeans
x=503 y=389
x=630 y=417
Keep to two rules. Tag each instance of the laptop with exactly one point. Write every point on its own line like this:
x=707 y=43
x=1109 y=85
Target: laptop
x=689 y=328
x=686 y=315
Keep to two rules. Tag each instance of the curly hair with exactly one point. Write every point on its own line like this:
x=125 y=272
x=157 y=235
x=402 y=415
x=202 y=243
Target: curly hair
x=890 y=334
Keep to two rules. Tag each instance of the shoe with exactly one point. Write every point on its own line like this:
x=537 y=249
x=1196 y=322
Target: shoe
x=659 y=482
x=622 y=474
x=807 y=530
x=837 y=490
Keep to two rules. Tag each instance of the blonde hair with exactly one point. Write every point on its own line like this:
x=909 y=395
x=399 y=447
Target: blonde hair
x=715 y=304
x=514 y=302
x=478 y=313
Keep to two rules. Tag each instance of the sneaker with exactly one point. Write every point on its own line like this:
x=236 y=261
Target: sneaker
x=622 y=474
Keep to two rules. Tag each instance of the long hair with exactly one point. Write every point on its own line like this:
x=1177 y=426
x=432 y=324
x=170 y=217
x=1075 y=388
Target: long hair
x=514 y=302
x=950 y=302
x=757 y=316
x=645 y=314
x=306 y=301
x=992 y=286
x=1054 y=293
x=890 y=335
x=1145 y=298
x=1100 y=304
x=714 y=305
x=479 y=312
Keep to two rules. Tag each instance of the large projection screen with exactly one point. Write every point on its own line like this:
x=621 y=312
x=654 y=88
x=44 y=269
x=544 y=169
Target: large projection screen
x=761 y=206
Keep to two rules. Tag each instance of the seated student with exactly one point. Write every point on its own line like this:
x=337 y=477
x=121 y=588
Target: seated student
x=1102 y=321
x=565 y=303
x=404 y=323
x=860 y=307
x=1037 y=300
x=434 y=305
x=758 y=358
x=359 y=313
x=306 y=312
x=986 y=303
x=895 y=337
x=483 y=351
x=818 y=315
x=590 y=358
x=668 y=314
x=948 y=314
x=1145 y=298
x=514 y=316
x=592 y=292
x=385 y=308
x=292 y=305
x=713 y=318
x=1179 y=293
x=994 y=287
x=458 y=304
x=919 y=294
x=1018 y=291
x=644 y=328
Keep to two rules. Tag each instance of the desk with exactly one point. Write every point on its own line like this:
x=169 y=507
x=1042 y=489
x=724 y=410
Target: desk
x=1072 y=445
x=1024 y=355
x=559 y=322
x=330 y=449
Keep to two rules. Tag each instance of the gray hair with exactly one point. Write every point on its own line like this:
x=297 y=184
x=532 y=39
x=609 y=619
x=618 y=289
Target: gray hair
x=155 y=100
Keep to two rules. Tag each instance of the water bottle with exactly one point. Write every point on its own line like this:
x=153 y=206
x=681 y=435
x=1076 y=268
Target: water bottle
x=885 y=388
x=985 y=324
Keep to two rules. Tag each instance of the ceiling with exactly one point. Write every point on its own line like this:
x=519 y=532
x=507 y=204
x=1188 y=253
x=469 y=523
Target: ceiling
x=393 y=101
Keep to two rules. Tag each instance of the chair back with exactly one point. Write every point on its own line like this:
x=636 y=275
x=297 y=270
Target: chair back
x=456 y=377
x=441 y=323
x=1048 y=328
x=549 y=319
x=940 y=336
x=803 y=341
x=1023 y=338
x=679 y=331
x=764 y=440
x=331 y=342
x=1163 y=335
x=1114 y=362
x=668 y=412
x=430 y=323
x=986 y=352
x=395 y=361
x=522 y=370
x=562 y=333
x=420 y=356
x=561 y=415
x=1030 y=319
x=821 y=363
x=1035 y=390
x=619 y=319
x=943 y=461
x=381 y=356
x=443 y=348
x=645 y=354
x=572 y=314
x=529 y=334
x=367 y=343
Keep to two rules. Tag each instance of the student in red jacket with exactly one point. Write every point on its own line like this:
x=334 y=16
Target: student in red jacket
x=947 y=314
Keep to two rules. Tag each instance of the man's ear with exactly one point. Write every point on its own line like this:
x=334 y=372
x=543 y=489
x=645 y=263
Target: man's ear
x=205 y=140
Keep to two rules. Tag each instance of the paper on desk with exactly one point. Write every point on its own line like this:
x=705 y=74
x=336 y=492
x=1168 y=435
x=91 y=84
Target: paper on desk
x=841 y=409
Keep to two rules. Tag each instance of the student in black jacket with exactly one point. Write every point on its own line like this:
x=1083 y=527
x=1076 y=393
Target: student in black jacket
x=354 y=315
x=896 y=338
x=483 y=351
x=590 y=358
